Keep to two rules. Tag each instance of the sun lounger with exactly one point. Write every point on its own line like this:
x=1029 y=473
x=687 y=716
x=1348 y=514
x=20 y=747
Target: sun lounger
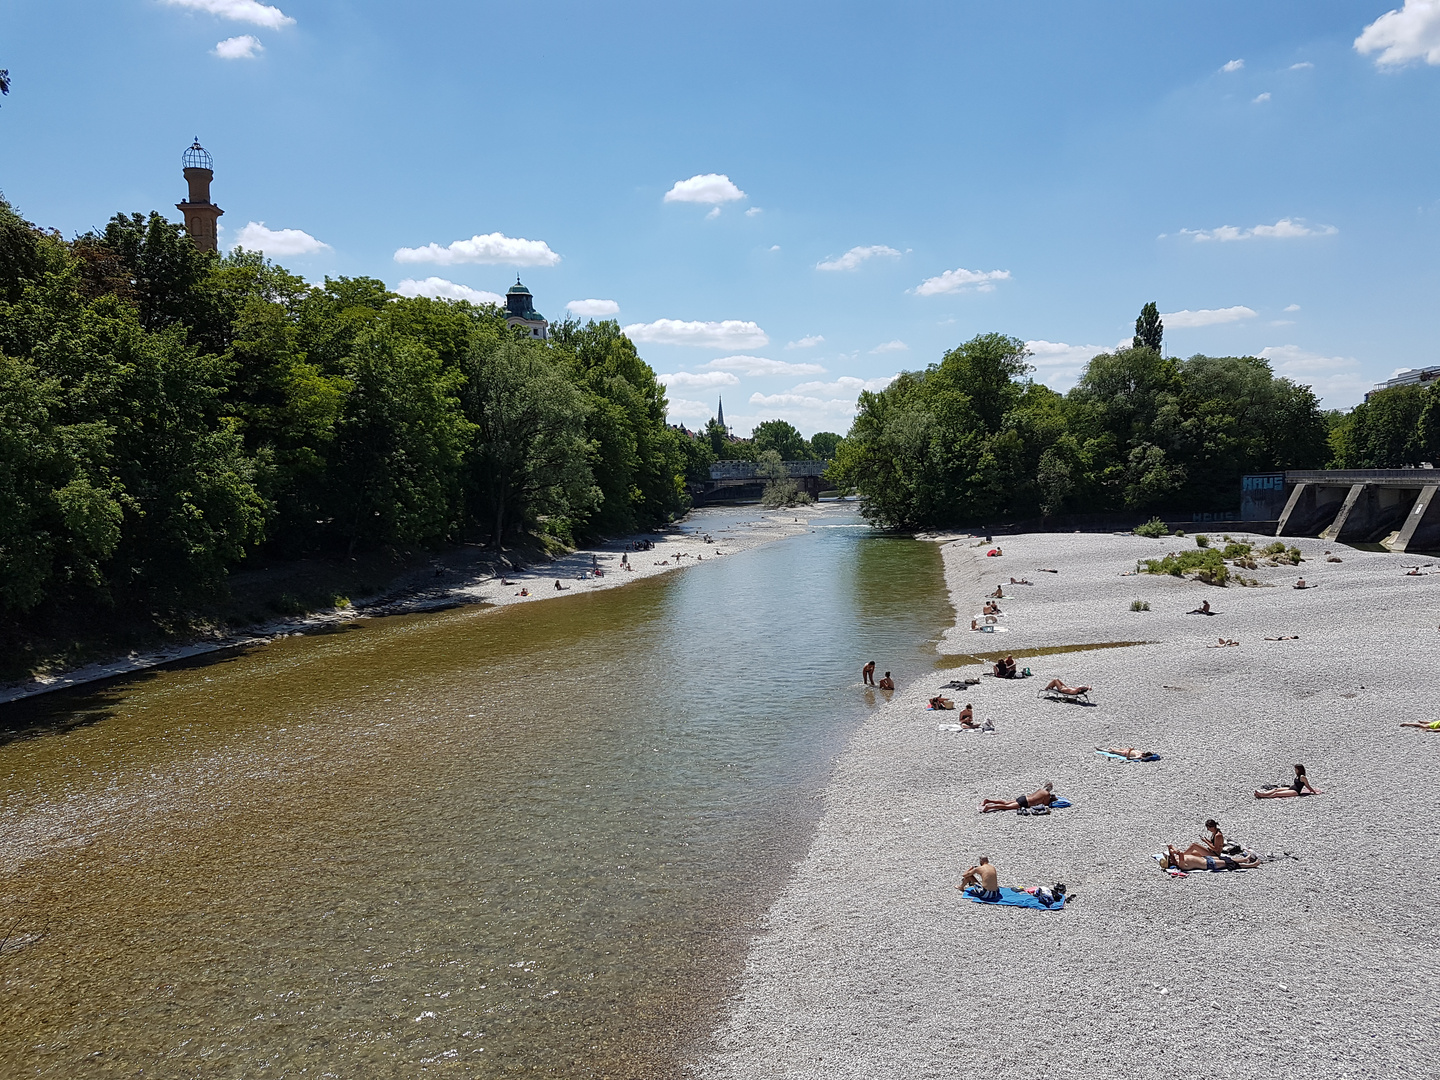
x=1069 y=699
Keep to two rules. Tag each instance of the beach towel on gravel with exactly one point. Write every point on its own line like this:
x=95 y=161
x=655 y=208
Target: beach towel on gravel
x=1122 y=757
x=1016 y=898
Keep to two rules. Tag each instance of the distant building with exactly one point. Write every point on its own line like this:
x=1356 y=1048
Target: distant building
x=720 y=413
x=1413 y=377
x=520 y=311
x=200 y=213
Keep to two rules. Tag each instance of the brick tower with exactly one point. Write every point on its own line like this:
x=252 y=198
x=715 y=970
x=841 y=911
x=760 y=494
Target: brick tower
x=200 y=213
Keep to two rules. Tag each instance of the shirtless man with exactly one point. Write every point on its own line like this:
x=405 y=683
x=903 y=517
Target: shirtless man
x=867 y=673
x=1059 y=687
x=999 y=592
x=887 y=683
x=990 y=608
x=983 y=879
x=1039 y=797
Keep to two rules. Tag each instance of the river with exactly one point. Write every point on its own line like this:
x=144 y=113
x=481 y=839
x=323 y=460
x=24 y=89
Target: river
x=474 y=843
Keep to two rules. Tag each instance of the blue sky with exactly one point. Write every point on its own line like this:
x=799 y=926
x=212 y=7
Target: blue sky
x=786 y=202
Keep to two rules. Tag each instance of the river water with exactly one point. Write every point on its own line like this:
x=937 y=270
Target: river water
x=478 y=842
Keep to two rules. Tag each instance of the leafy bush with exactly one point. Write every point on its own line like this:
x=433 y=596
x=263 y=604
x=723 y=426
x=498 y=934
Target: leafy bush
x=1139 y=605
x=1205 y=563
x=1152 y=528
x=1279 y=553
x=1236 y=551
x=1201 y=540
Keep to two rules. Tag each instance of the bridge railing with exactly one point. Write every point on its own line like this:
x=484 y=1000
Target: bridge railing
x=750 y=470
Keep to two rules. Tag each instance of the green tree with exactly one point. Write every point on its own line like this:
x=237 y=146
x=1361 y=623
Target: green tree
x=823 y=444
x=782 y=437
x=1385 y=431
x=1149 y=330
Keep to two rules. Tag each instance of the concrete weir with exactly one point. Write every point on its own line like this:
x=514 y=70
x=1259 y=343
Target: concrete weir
x=1396 y=507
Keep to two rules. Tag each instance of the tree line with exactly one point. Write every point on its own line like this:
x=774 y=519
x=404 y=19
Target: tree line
x=973 y=438
x=165 y=411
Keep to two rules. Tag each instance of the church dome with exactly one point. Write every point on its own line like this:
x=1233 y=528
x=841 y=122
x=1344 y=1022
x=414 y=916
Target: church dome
x=517 y=289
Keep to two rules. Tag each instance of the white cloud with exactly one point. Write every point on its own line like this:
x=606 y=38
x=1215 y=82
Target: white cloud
x=256 y=237
x=807 y=342
x=1336 y=379
x=713 y=214
x=852 y=259
x=758 y=366
x=1233 y=65
x=1301 y=66
x=961 y=280
x=774 y=247
x=1186 y=319
x=1292 y=307
x=1260 y=99
x=243 y=47
x=705 y=188
x=1046 y=354
x=1284 y=229
x=754 y=211
x=240 y=10
x=440 y=289
x=684 y=409
x=491 y=248
x=846 y=384
x=891 y=346
x=698 y=380
x=1411 y=33
x=729 y=334
x=592 y=309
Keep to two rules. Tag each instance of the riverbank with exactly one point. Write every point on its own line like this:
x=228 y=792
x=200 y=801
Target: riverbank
x=475 y=576
x=872 y=964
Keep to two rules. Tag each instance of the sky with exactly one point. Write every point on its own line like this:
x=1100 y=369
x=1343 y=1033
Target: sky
x=787 y=203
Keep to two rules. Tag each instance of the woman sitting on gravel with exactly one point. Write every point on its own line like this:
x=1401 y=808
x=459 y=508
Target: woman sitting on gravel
x=1299 y=786
x=1040 y=797
x=1212 y=844
x=990 y=608
x=1005 y=669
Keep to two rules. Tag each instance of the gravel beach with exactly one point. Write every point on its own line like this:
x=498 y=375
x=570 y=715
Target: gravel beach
x=872 y=964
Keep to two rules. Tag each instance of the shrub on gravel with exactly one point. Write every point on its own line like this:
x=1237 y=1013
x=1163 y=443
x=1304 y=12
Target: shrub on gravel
x=1153 y=528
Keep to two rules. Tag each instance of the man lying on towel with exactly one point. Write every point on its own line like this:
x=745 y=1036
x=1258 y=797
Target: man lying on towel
x=1184 y=860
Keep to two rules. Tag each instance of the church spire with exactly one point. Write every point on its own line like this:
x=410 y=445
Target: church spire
x=720 y=411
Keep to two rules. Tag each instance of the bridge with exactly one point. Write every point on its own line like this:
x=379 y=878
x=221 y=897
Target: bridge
x=740 y=481
x=1399 y=508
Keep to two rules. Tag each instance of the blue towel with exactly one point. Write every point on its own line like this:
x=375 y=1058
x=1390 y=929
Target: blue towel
x=1122 y=757
x=1060 y=803
x=1016 y=898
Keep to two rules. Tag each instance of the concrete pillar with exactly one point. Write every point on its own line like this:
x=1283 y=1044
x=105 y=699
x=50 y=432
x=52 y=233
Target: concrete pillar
x=1309 y=509
x=1421 y=528
x=1354 y=513
x=200 y=213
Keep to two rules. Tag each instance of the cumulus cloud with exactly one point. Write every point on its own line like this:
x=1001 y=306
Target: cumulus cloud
x=1186 y=319
x=852 y=259
x=713 y=214
x=1301 y=66
x=592 y=309
x=760 y=366
x=1233 y=65
x=845 y=384
x=256 y=237
x=728 y=334
x=697 y=380
x=807 y=342
x=1410 y=33
x=1292 y=307
x=1260 y=99
x=705 y=188
x=774 y=247
x=891 y=346
x=1284 y=229
x=685 y=409
x=244 y=47
x=491 y=248
x=1336 y=379
x=239 y=10
x=961 y=280
x=1058 y=365
x=754 y=211
x=440 y=289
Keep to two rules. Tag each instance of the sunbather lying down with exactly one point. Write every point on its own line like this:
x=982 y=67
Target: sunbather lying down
x=1433 y=725
x=1129 y=752
x=1059 y=687
x=1180 y=860
x=1284 y=637
x=1042 y=796
x=1222 y=643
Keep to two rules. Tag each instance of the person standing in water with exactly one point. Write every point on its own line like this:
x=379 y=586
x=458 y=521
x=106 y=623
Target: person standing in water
x=867 y=673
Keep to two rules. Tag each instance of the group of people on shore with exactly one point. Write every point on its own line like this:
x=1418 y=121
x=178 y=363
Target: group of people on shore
x=867 y=676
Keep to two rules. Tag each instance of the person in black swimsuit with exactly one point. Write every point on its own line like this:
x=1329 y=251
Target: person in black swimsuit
x=1299 y=786
x=1040 y=797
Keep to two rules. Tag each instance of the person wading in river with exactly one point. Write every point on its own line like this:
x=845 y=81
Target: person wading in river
x=867 y=673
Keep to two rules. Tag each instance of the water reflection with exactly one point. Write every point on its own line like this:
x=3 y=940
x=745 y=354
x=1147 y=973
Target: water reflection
x=534 y=838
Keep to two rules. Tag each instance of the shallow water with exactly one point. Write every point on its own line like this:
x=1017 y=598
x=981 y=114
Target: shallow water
x=478 y=842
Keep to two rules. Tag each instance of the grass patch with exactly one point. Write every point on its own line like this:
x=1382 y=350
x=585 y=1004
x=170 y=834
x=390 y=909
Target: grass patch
x=1207 y=564
x=1201 y=540
x=1139 y=605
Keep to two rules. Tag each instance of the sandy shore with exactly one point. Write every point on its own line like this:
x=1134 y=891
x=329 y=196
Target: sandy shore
x=871 y=964
x=733 y=529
